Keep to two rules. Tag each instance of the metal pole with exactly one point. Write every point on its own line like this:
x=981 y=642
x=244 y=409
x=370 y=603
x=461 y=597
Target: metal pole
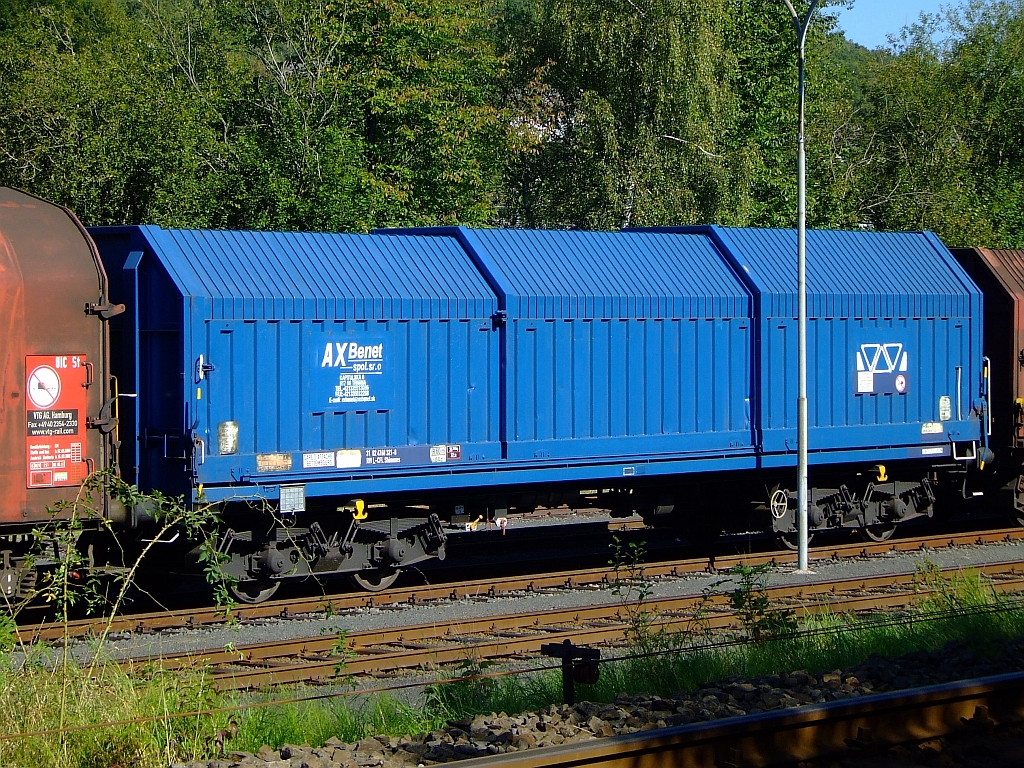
x=801 y=26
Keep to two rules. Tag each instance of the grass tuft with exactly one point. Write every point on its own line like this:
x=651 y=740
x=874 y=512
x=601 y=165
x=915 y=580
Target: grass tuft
x=35 y=698
x=315 y=722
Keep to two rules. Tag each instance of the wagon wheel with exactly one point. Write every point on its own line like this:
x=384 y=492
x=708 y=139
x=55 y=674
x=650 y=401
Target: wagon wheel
x=254 y=591
x=1017 y=514
x=879 y=531
x=374 y=580
x=791 y=539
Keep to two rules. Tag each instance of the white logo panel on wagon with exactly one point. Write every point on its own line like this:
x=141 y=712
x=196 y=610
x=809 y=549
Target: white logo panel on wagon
x=882 y=369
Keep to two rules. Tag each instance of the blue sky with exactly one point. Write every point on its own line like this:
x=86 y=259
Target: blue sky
x=868 y=22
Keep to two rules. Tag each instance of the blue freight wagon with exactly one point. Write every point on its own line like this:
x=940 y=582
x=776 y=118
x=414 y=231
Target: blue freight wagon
x=344 y=396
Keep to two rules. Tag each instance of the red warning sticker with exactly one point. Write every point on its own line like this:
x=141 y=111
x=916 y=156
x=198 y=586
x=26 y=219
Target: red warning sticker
x=55 y=409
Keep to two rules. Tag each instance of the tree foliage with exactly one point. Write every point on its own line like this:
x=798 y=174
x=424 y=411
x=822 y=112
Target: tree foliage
x=253 y=113
x=340 y=115
x=89 y=117
x=646 y=112
x=945 y=123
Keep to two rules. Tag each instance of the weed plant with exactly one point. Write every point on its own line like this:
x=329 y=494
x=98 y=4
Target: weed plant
x=45 y=689
x=32 y=700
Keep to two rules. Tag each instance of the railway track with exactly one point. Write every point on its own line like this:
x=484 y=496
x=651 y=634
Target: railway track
x=487 y=588
x=790 y=735
x=319 y=659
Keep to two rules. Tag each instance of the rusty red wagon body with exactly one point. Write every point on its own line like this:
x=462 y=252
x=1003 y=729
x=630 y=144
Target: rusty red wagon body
x=55 y=420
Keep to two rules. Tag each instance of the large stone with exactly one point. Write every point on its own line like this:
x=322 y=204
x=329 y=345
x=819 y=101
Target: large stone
x=288 y=751
x=368 y=745
x=368 y=759
x=405 y=757
x=525 y=740
x=800 y=677
x=832 y=679
x=440 y=752
x=417 y=748
x=501 y=723
x=740 y=689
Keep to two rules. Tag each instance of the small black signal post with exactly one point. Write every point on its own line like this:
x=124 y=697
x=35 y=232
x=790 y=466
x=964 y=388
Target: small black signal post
x=579 y=665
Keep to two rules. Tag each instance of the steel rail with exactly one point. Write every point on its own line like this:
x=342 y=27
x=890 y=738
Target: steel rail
x=425 y=645
x=787 y=736
x=553 y=617
x=319 y=671
x=489 y=587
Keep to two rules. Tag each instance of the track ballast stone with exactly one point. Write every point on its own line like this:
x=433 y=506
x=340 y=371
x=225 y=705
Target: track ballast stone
x=559 y=724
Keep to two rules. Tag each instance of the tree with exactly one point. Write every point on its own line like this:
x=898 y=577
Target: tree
x=344 y=115
x=253 y=113
x=88 y=116
x=652 y=112
x=620 y=111
x=945 y=124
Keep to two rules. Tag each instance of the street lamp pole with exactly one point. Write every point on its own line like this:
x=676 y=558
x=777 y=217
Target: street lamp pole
x=801 y=26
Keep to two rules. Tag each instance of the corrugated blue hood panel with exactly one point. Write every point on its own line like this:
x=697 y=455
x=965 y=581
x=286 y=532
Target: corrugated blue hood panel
x=618 y=344
x=307 y=276
x=850 y=274
x=893 y=337
x=588 y=275
x=305 y=345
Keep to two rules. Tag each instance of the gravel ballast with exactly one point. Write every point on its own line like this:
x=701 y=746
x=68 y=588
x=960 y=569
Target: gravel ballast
x=558 y=724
